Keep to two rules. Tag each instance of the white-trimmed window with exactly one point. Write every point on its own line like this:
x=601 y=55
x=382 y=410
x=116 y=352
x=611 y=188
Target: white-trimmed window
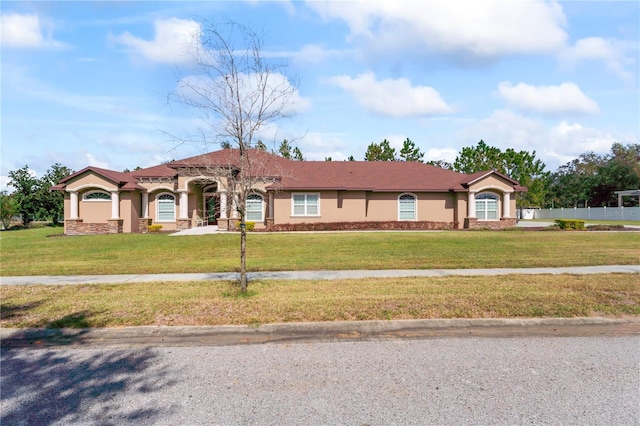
x=166 y=204
x=254 y=208
x=305 y=204
x=407 y=207
x=96 y=196
x=487 y=206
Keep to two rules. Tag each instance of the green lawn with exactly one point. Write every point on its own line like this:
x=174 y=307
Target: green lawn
x=36 y=252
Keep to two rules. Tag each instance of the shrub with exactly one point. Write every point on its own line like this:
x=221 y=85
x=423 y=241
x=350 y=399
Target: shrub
x=364 y=226
x=570 y=223
x=607 y=227
x=250 y=226
x=154 y=228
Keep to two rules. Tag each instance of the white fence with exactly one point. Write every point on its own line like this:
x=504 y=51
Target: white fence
x=594 y=213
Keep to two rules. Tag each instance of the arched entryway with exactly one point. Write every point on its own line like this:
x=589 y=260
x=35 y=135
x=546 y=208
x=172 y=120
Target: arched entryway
x=211 y=204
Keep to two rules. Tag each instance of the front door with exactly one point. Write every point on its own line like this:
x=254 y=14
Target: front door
x=212 y=211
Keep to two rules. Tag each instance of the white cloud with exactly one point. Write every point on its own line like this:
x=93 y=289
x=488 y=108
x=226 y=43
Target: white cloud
x=201 y=90
x=309 y=54
x=314 y=53
x=567 y=141
x=447 y=154
x=565 y=98
x=174 y=41
x=555 y=144
x=504 y=129
x=486 y=28
x=615 y=54
x=4 y=184
x=26 y=32
x=317 y=146
x=93 y=161
x=392 y=97
x=287 y=5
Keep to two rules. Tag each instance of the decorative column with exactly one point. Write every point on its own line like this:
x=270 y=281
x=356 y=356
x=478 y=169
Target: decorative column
x=506 y=220
x=145 y=220
x=270 y=219
x=184 y=204
x=115 y=223
x=115 y=205
x=183 y=221
x=73 y=204
x=471 y=205
x=145 y=204
x=223 y=220
x=234 y=207
x=506 y=205
x=471 y=221
x=223 y=205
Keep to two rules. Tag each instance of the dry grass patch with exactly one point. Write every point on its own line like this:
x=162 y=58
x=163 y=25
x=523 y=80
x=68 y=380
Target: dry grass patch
x=215 y=303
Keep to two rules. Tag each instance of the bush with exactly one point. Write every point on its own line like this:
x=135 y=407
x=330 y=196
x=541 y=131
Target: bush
x=570 y=223
x=154 y=228
x=364 y=226
x=250 y=226
x=607 y=227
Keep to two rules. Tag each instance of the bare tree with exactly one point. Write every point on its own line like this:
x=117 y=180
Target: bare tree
x=237 y=92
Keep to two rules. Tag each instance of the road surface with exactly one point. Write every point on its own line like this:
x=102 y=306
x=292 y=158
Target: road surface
x=453 y=380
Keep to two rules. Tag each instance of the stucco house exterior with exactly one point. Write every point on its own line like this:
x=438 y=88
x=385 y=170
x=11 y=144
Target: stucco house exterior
x=284 y=194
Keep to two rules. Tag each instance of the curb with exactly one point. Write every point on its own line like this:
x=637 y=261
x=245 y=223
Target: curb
x=225 y=335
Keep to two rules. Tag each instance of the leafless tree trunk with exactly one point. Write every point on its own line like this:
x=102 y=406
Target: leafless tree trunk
x=236 y=92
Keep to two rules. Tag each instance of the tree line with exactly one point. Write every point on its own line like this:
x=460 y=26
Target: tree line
x=32 y=198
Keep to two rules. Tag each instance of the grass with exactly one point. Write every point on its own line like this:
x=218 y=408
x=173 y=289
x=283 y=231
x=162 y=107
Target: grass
x=213 y=303
x=32 y=252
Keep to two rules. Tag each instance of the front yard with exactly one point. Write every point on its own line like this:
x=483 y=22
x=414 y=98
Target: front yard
x=33 y=252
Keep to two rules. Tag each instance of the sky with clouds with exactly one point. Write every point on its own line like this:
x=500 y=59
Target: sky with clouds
x=87 y=83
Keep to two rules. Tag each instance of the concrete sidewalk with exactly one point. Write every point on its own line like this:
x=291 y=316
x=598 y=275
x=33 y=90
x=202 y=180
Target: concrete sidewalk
x=312 y=275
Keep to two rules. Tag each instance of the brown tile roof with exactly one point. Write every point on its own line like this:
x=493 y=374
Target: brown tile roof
x=125 y=181
x=260 y=163
x=377 y=176
x=159 y=171
x=380 y=176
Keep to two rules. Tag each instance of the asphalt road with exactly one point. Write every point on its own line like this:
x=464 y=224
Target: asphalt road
x=473 y=380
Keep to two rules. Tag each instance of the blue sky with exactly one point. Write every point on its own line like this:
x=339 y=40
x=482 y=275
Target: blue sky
x=86 y=83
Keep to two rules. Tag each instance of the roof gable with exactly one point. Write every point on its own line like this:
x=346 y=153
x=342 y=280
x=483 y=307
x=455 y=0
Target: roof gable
x=474 y=178
x=124 y=181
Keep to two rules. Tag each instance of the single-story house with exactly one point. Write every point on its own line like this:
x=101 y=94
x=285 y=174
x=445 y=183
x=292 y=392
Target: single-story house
x=285 y=194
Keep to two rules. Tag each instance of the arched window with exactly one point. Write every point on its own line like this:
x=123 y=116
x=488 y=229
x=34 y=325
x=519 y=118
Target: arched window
x=97 y=196
x=487 y=206
x=166 y=208
x=407 y=207
x=254 y=208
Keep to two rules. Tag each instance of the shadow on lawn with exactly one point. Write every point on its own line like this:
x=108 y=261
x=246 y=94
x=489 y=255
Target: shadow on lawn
x=77 y=320
x=11 y=310
x=81 y=386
